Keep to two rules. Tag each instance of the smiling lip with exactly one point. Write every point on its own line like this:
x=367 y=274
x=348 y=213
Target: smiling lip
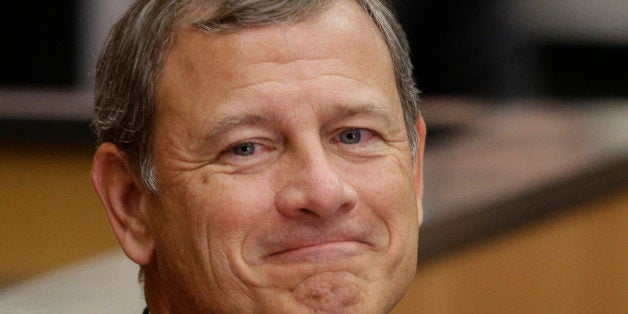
x=318 y=252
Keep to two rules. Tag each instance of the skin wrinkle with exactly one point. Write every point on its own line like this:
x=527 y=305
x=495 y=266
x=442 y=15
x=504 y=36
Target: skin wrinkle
x=293 y=62
x=228 y=122
x=210 y=266
x=318 y=76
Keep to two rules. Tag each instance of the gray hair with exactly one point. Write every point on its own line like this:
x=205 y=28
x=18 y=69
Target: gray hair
x=134 y=54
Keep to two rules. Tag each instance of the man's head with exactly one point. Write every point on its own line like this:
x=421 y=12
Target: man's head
x=261 y=155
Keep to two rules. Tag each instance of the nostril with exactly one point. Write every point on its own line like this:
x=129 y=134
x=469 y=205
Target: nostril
x=346 y=207
x=308 y=212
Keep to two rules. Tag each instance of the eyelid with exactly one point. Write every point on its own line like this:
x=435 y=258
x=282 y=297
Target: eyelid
x=241 y=135
x=263 y=153
x=229 y=148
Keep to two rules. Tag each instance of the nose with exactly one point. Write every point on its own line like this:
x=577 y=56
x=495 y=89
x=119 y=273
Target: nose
x=313 y=187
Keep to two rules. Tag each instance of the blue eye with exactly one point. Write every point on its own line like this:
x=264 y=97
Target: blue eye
x=351 y=136
x=244 y=149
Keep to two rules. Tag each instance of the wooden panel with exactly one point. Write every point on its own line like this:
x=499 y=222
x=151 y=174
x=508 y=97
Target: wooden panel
x=50 y=215
x=576 y=262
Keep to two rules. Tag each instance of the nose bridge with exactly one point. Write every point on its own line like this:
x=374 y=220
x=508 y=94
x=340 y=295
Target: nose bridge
x=319 y=174
x=314 y=185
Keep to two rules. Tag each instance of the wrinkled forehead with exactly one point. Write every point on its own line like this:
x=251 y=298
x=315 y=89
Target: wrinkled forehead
x=343 y=24
x=342 y=41
x=242 y=16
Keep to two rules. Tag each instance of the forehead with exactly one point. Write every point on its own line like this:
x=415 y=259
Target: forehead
x=209 y=65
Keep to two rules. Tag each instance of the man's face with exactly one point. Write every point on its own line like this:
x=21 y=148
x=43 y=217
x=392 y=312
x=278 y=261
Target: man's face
x=286 y=179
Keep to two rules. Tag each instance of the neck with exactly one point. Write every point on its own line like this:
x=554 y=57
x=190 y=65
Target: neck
x=155 y=300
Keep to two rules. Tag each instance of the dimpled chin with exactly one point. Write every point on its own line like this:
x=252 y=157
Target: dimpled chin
x=330 y=292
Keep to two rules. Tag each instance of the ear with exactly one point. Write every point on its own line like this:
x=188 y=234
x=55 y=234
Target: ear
x=418 y=165
x=125 y=202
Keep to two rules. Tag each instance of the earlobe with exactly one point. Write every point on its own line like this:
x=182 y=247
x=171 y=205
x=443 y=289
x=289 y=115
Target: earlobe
x=125 y=202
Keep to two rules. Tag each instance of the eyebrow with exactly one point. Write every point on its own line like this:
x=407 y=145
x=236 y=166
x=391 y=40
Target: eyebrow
x=230 y=122
x=383 y=114
x=335 y=110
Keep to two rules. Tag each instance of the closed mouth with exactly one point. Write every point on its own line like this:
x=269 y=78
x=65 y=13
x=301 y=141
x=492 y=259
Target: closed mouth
x=315 y=252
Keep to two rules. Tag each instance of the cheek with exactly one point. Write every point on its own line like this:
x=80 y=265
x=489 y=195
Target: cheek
x=233 y=208
x=212 y=212
x=204 y=223
x=232 y=203
x=389 y=191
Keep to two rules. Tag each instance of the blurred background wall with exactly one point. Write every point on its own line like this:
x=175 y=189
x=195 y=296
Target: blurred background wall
x=519 y=48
